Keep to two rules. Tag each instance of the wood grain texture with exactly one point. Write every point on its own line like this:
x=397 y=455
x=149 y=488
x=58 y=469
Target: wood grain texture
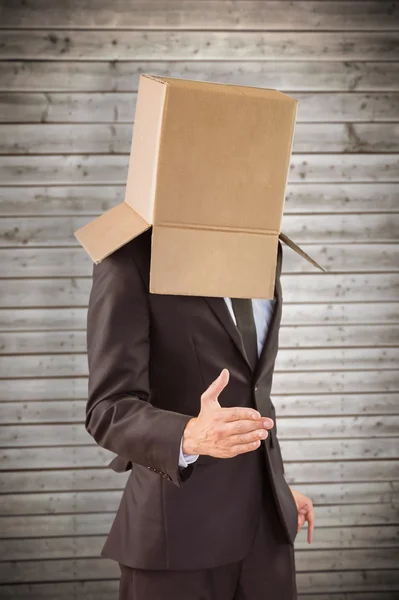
x=120 y=76
x=306 y=229
x=54 y=526
x=89 y=546
x=291 y=337
x=301 y=197
x=112 y=169
x=69 y=74
x=96 y=568
x=203 y=15
x=384 y=580
x=295 y=406
x=116 y=138
x=295 y=314
x=101 y=479
x=359 y=430
x=299 y=359
x=199 y=46
x=300 y=288
x=119 y=107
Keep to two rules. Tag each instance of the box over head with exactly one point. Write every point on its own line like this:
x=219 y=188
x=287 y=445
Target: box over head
x=208 y=171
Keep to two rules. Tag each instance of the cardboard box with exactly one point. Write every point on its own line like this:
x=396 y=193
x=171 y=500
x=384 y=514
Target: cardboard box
x=208 y=171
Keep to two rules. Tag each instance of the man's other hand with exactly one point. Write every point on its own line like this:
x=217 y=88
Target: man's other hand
x=224 y=432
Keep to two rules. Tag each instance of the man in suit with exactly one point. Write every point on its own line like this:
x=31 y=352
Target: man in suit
x=179 y=389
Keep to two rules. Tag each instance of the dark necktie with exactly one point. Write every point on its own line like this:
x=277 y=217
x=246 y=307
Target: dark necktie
x=242 y=308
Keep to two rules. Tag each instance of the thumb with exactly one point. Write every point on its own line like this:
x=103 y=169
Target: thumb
x=210 y=396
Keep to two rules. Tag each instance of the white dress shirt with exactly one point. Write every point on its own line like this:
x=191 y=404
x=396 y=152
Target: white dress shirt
x=263 y=310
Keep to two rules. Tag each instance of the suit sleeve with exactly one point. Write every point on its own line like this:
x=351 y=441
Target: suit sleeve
x=119 y=413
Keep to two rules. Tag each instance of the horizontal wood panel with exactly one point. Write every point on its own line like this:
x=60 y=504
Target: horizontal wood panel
x=298 y=359
x=300 y=198
x=327 y=538
x=328 y=336
x=329 y=229
x=108 y=501
x=94 y=456
x=119 y=107
x=310 y=430
x=207 y=14
x=108 y=589
x=318 y=382
x=116 y=138
x=370 y=314
x=94 y=568
x=288 y=76
x=31 y=526
x=386 y=581
x=112 y=169
x=74 y=480
x=298 y=288
x=192 y=45
x=287 y=406
x=70 y=262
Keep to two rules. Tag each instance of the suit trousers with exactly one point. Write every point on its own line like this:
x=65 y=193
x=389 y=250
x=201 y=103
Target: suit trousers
x=267 y=572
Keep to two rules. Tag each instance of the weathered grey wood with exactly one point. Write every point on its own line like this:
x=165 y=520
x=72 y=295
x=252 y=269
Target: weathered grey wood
x=94 y=568
x=313 y=229
x=98 y=479
x=121 y=76
x=300 y=198
x=347 y=316
x=207 y=14
x=119 y=107
x=194 y=45
x=73 y=480
x=329 y=404
x=288 y=406
x=59 y=457
x=298 y=288
x=321 y=582
x=69 y=262
x=327 y=382
x=309 y=430
x=36 y=526
x=89 y=590
x=94 y=456
x=116 y=138
x=112 y=169
x=327 y=336
x=90 y=546
x=108 y=501
x=386 y=581
x=298 y=359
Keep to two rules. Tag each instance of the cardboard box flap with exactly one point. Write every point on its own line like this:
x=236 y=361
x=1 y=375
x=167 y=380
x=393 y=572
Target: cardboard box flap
x=284 y=238
x=110 y=231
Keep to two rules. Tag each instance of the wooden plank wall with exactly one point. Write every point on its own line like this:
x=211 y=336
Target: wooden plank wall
x=68 y=80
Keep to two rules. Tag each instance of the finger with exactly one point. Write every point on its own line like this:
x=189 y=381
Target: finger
x=310 y=517
x=246 y=438
x=239 y=413
x=243 y=448
x=245 y=425
x=216 y=387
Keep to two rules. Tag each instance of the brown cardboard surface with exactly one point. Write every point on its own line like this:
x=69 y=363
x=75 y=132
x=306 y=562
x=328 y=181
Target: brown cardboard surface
x=208 y=169
x=110 y=231
x=203 y=262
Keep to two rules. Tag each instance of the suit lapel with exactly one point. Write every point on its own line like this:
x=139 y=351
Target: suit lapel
x=219 y=307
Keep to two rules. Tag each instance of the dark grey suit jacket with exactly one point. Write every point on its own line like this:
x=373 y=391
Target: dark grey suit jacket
x=150 y=358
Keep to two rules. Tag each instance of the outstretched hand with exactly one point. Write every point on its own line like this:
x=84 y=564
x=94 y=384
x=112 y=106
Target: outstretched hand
x=224 y=432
